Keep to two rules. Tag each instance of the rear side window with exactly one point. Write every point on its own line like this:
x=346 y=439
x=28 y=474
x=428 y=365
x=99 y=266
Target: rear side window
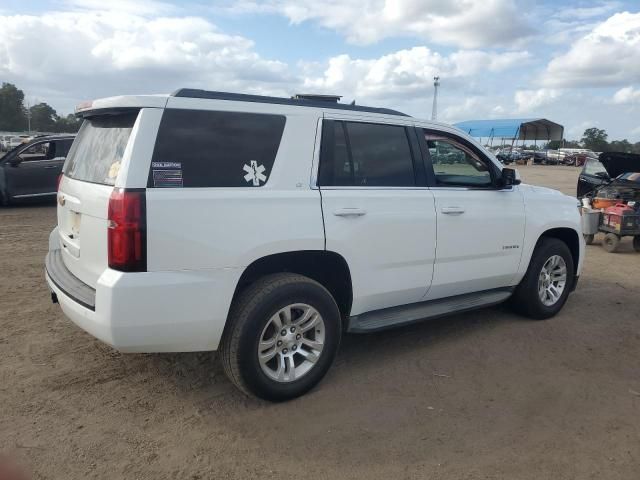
x=96 y=153
x=365 y=155
x=197 y=148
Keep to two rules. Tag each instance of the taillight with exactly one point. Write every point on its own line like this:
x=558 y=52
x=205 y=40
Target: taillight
x=58 y=182
x=127 y=232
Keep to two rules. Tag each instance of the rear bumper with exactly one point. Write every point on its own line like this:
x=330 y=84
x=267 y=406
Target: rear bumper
x=59 y=275
x=150 y=311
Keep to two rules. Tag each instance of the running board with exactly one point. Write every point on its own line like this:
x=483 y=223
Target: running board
x=414 y=312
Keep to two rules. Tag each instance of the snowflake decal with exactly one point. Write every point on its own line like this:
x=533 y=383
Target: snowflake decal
x=255 y=173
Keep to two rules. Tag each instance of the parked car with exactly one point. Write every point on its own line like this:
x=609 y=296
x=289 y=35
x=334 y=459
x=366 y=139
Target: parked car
x=613 y=176
x=286 y=223
x=31 y=170
x=4 y=142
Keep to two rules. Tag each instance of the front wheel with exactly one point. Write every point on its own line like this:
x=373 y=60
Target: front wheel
x=548 y=281
x=283 y=334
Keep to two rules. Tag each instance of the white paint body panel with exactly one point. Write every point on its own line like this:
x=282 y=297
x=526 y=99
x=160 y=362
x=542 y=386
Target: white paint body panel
x=200 y=240
x=390 y=249
x=480 y=248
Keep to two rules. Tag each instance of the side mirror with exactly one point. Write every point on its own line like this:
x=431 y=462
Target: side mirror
x=15 y=161
x=509 y=177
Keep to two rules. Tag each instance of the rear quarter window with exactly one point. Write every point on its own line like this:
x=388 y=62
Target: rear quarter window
x=197 y=148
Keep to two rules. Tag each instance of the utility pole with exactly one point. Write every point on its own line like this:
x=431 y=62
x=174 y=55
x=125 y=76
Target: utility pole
x=29 y=117
x=434 y=110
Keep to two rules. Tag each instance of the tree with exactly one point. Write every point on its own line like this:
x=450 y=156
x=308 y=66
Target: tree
x=595 y=139
x=12 y=112
x=620 y=146
x=43 y=118
x=68 y=124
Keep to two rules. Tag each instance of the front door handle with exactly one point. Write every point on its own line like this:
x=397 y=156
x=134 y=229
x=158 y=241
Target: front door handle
x=349 y=212
x=51 y=166
x=452 y=210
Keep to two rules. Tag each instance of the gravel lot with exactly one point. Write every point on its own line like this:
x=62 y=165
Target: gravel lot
x=482 y=395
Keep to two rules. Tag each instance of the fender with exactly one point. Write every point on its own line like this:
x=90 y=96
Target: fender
x=547 y=209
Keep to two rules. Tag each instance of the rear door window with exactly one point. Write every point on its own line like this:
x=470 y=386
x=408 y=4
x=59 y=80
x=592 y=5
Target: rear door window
x=97 y=152
x=365 y=155
x=62 y=148
x=199 y=148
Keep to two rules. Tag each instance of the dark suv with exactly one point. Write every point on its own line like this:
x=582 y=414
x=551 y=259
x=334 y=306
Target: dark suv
x=31 y=170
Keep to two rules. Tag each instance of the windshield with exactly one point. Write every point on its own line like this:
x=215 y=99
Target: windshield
x=98 y=149
x=594 y=167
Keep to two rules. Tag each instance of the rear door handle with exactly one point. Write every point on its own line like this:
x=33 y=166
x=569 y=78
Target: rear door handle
x=349 y=212
x=452 y=210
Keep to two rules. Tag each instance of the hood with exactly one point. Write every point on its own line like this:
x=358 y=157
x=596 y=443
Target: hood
x=618 y=163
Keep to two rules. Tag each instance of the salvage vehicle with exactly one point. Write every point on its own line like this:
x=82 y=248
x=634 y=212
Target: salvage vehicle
x=287 y=223
x=611 y=186
x=31 y=170
x=613 y=177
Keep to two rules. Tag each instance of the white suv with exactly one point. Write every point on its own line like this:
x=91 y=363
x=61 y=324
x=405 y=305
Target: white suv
x=265 y=228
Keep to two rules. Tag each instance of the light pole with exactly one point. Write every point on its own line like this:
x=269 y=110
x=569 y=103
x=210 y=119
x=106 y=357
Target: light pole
x=29 y=117
x=434 y=110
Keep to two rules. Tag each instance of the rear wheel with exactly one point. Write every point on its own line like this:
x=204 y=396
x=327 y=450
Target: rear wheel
x=610 y=242
x=282 y=336
x=548 y=281
x=636 y=243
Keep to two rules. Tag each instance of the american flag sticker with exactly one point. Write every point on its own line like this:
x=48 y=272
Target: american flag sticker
x=167 y=174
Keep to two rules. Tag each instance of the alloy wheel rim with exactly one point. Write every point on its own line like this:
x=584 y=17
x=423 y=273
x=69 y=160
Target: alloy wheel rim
x=552 y=280
x=291 y=342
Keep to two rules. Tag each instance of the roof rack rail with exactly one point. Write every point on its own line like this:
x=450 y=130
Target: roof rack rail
x=301 y=102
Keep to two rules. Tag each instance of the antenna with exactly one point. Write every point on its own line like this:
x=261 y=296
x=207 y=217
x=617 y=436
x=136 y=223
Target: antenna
x=434 y=110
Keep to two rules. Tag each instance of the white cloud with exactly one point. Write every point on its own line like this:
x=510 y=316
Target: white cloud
x=406 y=73
x=608 y=55
x=627 y=95
x=473 y=107
x=531 y=100
x=95 y=53
x=582 y=13
x=463 y=23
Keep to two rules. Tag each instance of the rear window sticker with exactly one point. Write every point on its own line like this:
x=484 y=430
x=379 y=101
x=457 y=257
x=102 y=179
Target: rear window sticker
x=255 y=173
x=167 y=174
x=177 y=165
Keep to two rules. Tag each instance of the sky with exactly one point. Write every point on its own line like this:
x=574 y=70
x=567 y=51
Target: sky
x=574 y=62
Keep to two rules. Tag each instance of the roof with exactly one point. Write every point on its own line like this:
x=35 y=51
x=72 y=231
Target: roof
x=301 y=102
x=518 y=128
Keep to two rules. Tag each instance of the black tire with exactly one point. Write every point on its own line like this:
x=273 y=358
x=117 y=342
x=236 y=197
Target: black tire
x=588 y=239
x=526 y=299
x=610 y=242
x=636 y=243
x=4 y=199
x=248 y=317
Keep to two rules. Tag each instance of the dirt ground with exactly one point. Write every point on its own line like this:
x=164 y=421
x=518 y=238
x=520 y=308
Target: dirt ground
x=482 y=395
